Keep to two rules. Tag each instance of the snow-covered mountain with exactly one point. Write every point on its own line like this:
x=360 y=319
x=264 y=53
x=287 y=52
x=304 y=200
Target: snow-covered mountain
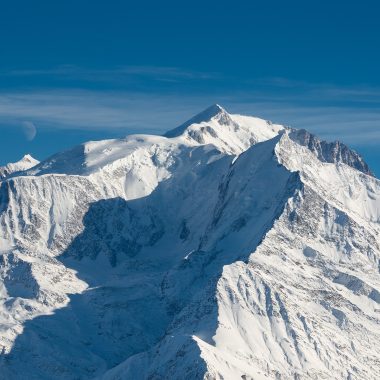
x=25 y=163
x=230 y=248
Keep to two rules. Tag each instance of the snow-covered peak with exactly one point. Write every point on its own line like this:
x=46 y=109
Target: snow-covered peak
x=331 y=152
x=95 y=156
x=213 y=112
x=25 y=163
x=169 y=257
x=29 y=158
x=231 y=134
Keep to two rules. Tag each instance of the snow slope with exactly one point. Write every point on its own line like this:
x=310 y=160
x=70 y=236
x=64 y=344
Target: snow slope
x=25 y=163
x=231 y=134
x=230 y=248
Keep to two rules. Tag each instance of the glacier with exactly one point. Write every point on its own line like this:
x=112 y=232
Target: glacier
x=229 y=248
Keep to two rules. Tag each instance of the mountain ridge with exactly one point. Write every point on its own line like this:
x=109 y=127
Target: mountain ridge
x=155 y=257
x=26 y=162
x=194 y=132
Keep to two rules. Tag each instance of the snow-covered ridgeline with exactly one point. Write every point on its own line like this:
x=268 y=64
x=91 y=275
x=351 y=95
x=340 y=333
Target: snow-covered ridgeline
x=168 y=257
x=25 y=163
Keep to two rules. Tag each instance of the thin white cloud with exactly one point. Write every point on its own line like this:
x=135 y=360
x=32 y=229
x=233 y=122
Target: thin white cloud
x=94 y=110
x=127 y=111
x=123 y=74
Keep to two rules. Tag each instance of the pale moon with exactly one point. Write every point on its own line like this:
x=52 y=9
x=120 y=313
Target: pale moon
x=29 y=130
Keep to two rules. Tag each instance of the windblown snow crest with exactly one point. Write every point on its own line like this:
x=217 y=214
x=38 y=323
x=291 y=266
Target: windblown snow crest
x=25 y=163
x=229 y=248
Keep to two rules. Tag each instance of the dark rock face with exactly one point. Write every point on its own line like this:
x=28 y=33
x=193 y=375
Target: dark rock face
x=331 y=152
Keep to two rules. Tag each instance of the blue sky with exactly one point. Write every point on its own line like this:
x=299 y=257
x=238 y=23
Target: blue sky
x=79 y=70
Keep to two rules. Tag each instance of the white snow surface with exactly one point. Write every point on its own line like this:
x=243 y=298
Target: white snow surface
x=230 y=248
x=25 y=163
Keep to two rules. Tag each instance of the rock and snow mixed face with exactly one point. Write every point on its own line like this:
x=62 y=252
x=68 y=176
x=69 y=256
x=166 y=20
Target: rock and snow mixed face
x=231 y=134
x=230 y=248
x=25 y=163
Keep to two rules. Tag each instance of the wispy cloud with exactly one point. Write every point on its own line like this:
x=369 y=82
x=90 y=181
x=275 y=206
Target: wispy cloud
x=118 y=74
x=94 y=110
x=348 y=113
x=283 y=89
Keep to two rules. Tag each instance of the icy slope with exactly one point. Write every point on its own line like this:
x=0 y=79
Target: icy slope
x=163 y=257
x=302 y=304
x=25 y=163
x=231 y=134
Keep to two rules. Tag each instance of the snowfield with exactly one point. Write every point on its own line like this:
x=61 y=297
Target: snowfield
x=25 y=163
x=229 y=248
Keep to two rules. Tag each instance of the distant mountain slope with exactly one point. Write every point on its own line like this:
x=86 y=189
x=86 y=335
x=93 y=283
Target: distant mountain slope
x=232 y=134
x=230 y=248
x=25 y=163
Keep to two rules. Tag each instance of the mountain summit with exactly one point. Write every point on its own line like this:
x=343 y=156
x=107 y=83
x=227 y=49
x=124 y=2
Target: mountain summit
x=231 y=134
x=230 y=248
x=26 y=162
x=213 y=112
